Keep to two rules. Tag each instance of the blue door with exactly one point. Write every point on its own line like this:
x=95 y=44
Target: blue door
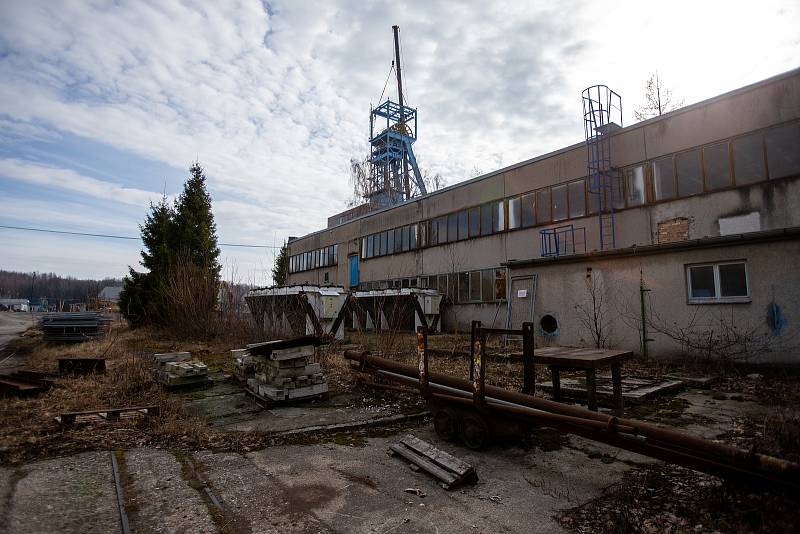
x=353 y=264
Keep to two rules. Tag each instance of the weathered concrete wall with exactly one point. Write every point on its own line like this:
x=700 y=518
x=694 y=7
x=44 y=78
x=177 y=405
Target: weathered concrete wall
x=773 y=270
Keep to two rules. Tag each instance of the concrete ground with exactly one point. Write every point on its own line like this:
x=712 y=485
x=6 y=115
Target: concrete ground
x=325 y=487
x=11 y=325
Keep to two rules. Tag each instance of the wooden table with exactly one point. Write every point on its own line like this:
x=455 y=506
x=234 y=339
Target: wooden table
x=589 y=360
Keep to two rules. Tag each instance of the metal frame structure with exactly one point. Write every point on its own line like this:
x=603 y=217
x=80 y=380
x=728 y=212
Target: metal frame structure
x=560 y=241
x=392 y=132
x=602 y=113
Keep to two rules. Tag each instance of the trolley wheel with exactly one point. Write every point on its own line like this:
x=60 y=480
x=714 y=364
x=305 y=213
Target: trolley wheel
x=445 y=424
x=475 y=432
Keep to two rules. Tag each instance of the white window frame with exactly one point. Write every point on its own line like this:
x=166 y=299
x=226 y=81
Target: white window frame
x=718 y=298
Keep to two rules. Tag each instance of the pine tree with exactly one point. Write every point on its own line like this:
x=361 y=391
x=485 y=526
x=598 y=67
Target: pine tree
x=195 y=237
x=141 y=300
x=280 y=271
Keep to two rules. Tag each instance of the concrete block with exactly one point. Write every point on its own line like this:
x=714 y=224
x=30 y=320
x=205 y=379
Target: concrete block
x=294 y=362
x=171 y=367
x=318 y=378
x=308 y=391
x=252 y=383
x=165 y=357
x=294 y=352
x=312 y=369
x=272 y=392
x=302 y=381
x=200 y=367
x=262 y=378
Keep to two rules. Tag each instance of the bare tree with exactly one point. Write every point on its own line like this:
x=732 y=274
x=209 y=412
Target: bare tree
x=594 y=315
x=658 y=99
x=359 y=181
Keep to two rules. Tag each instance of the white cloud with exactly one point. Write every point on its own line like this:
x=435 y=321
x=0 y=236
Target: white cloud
x=274 y=106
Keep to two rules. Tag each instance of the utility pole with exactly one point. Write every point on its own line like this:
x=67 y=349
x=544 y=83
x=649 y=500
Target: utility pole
x=396 y=30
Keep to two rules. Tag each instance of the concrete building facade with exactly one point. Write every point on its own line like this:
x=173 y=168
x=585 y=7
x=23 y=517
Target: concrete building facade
x=707 y=211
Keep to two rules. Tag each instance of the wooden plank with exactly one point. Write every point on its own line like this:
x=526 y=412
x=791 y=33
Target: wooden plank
x=445 y=476
x=439 y=457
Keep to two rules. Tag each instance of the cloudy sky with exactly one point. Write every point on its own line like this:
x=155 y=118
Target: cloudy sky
x=104 y=105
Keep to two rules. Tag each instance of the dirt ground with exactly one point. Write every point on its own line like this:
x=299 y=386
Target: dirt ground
x=216 y=462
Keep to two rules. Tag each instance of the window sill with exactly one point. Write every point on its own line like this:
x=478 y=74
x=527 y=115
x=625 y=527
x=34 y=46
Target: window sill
x=730 y=300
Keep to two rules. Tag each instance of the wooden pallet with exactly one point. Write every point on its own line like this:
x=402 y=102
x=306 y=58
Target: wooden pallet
x=108 y=414
x=449 y=470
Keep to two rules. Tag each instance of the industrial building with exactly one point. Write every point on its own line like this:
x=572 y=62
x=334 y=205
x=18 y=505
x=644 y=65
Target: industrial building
x=687 y=224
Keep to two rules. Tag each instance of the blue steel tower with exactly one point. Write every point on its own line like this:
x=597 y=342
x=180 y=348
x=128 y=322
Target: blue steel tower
x=602 y=113
x=392 y=132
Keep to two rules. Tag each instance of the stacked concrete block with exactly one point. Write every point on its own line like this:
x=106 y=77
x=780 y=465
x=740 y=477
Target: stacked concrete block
x=178 y=369
x=282 y=374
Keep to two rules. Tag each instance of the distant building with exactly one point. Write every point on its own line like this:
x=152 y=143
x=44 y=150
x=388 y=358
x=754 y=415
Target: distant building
x=110 y=294
x=21 y=305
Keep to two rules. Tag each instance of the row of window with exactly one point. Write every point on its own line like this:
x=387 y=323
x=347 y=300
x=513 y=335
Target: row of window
x=314 y=259
x=485 y=285
x=393 y=241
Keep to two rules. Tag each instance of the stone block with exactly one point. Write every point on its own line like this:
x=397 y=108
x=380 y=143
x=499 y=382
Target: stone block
x=312 y=369
x=252 y=383
x=165 y=357
x=294 y=362
x=318 y=378
x=272 y=392
x=262 y=378
x=301 y=381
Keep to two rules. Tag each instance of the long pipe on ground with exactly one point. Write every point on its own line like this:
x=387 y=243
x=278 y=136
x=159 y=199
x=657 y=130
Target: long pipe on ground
x=665 y=444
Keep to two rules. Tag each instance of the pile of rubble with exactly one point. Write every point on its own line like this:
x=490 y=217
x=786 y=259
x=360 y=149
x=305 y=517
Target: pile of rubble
x=281 y=370
x=175 y=369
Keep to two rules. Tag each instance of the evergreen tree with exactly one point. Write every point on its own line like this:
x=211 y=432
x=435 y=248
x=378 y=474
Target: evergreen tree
x=141 y=300
x=195 y=236
x=280 y=271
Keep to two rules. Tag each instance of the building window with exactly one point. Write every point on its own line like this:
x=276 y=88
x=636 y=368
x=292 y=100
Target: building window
x=433 y=235
x=717 y=167
x=383 y=243
x=617 y=191
x=463 y=287
x=398 y=240
x=634 y=180
x=499 y=215
x=577 y=198
x=783 y=150
x=441 y=229
x=390 y=242
x=718 y=282
x=543 y=206
x=405 y=231
x=559 y=194
x=336 y=254
x=487 y=285
x=663 y=179
x=452 y=227
x=474 y=222
x=412 y=237
x=486 y=218
x=514 y=213
x=748 y=159
x=528 y=214
x=499 y=284
x=690 y=174
x=475 y=286
x=463 y=224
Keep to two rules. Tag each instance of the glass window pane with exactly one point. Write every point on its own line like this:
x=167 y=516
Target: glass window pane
x=594 y=201
x=499 y=216
x=364 y=247
x=663 y=179
x=324 y=261
x=434 y=234
x=412 y=237
x=715 y=160
x=577 y=199
x=543 y=206
x=690 y=177
x=528 y=215
x=487 y=285
x=702 y=282
x=336 y=254
x=441 y=228
x=475 y=286
x=452 y=227
x=370 y=246
x=384 y=242
x=514 y=213
x=748 y=160
x=486 y=218
x=733 y=280
x=398 y=240
x=442 y=284
x=423 y=236
x=635 y=182
x=783 y=150
x=404 y=230
x=390 y=242
x=463 y=287
x=618 y=191
x=463 y=224
x=559 y=193
x=474 y=222
x=499 y=284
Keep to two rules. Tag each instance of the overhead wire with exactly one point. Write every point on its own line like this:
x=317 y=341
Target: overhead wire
x=111 y=236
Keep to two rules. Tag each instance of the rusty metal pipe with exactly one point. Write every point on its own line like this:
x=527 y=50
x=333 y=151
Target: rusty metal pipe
x=691 y=445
